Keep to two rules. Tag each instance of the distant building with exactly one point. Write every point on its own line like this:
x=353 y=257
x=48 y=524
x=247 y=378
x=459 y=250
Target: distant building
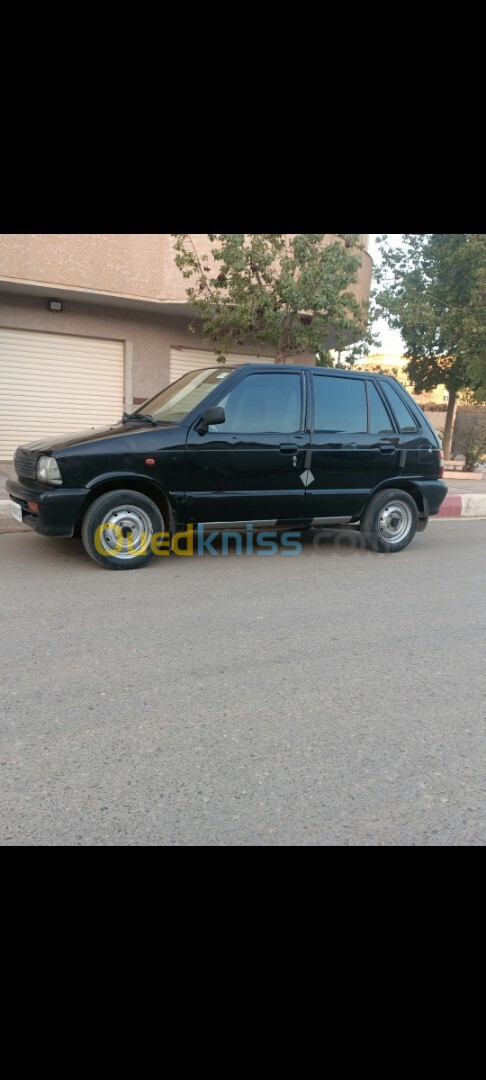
x=395 y=364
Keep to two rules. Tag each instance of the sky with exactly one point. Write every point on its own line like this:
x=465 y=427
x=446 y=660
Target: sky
x=391 y=340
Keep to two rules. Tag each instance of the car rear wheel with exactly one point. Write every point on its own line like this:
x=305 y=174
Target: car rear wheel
x=390 y=520
x=118 y=528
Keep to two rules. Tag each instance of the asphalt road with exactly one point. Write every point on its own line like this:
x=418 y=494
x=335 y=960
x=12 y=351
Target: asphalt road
x=325 y=699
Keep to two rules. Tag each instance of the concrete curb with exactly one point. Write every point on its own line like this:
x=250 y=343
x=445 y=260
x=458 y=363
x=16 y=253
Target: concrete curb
x=453 y=506
x=5 y=509
x=463 y=506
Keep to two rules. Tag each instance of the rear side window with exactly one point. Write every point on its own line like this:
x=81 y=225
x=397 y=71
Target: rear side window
x=380 y=422
x=405 y=419
x=340 y=404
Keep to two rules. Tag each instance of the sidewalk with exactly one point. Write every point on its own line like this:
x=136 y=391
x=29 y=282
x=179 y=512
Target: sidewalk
x=465 y=487
x=6 y=470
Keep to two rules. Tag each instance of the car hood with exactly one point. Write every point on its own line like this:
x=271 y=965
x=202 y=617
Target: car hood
x=53 y=443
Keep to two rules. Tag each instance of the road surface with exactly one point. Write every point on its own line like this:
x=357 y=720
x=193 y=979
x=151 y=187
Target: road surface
x=330 y=698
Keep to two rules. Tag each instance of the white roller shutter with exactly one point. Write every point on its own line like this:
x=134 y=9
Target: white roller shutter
x=51 y=384
x=184 y=360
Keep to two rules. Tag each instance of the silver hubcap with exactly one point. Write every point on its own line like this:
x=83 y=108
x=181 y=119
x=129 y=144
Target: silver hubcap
x=126 y=532
x=395 y=522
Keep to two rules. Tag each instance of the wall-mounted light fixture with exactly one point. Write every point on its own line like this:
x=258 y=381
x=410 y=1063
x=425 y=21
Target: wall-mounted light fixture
x=55 y=305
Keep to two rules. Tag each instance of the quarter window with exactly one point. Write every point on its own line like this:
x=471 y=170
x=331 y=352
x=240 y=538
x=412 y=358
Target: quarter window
x=264 y=403
x=402 y=414
x=380 y=423
x=340 y=404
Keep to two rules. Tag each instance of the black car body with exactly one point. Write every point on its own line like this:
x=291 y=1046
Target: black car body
x=300 y=445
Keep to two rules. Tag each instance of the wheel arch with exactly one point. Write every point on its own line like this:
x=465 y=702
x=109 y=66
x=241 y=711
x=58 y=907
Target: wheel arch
x=141 y=484
x=403 y=484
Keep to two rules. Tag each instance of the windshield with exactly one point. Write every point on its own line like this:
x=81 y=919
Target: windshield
x=178 y=400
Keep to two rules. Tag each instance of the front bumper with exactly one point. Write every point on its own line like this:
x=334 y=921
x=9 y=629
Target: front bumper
x=59 y=507
x=434 y=493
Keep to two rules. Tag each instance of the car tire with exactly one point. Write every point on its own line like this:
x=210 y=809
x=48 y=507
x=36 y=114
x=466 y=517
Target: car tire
x=133 y=517
x=390 y=520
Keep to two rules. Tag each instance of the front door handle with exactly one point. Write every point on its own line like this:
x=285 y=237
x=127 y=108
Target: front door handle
x=288 y=448
x=388 y=449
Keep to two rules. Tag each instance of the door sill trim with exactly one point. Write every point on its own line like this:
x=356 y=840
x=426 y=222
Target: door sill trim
x=267 y=524
x=332 y=520
x=237 y=524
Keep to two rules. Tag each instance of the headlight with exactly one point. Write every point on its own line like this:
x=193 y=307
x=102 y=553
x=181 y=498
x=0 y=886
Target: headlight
x=47 y=471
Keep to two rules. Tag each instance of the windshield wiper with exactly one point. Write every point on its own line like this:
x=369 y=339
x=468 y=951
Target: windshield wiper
x=143 y=418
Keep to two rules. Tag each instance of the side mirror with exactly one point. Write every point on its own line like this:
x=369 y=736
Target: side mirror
x=215 y=415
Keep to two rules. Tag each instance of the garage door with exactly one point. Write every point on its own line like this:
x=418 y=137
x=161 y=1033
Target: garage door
x=184 y=360
x=51 y=384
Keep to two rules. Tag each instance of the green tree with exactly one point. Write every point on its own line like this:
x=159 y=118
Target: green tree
x=324 y=358
x=475 y=317
x=433 y=290
x=284 y=292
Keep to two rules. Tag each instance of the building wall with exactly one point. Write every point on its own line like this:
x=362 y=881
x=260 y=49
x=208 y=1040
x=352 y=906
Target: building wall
x=121 y=264
x=132 y=276
x=133 y=265
x=149 y=335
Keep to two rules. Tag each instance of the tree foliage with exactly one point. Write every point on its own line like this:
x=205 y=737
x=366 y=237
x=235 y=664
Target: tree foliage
x=324 y=358
x=284 y=292
x=433 y=290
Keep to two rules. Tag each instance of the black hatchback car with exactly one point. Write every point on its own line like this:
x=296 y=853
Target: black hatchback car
x=264 y=444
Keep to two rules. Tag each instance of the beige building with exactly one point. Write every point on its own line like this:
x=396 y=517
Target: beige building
x=395 y=364
x=91 y=324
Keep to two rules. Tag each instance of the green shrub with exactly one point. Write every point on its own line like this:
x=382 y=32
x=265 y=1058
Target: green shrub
x=470 y=439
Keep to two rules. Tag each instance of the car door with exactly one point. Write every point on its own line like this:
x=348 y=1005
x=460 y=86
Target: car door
x=421 y=449
x=355 y=445
x=248 y=469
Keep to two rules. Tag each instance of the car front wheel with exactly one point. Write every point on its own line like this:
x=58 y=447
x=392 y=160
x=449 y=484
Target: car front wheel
x=390 y=520
x=118 y=529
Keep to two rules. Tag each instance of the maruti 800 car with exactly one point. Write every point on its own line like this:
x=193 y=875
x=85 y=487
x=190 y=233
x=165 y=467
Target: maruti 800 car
x=274 y=445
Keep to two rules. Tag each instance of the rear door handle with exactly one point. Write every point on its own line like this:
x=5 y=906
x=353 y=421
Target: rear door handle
x=388 y=449
x=289 y=448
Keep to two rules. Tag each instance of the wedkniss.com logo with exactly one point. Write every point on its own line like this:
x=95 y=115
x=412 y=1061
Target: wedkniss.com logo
x=249 y=541
x=194 y=542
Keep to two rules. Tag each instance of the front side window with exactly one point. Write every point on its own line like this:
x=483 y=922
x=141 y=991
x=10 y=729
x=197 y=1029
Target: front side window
x=403 y=416
x=340 y=404
x=266 y=404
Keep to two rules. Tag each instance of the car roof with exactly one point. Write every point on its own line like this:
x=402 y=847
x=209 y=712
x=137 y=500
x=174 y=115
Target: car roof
x=299 y=367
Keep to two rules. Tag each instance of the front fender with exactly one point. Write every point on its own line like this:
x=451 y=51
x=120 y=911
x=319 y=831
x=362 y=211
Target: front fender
x=142 y=482
x=124 y=477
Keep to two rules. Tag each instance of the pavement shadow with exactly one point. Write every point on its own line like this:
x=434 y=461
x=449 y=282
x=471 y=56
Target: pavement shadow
x=344 y=542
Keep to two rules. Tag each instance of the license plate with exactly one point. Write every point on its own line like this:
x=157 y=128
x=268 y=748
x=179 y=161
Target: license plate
x=17 y=511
